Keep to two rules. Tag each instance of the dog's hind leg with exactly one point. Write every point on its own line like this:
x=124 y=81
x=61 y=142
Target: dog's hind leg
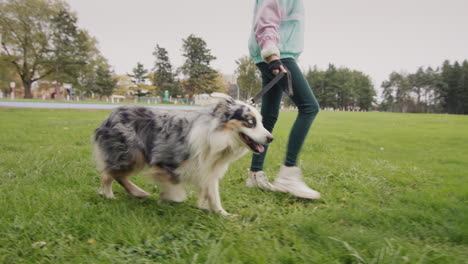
x=106 y=178
x=203 y=202
x=171 y=188
x=131 y=188
x=123 y=177
x=172 y=192
x=106 y=185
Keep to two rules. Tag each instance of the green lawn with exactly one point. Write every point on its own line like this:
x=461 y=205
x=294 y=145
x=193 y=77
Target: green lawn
x=394 y=190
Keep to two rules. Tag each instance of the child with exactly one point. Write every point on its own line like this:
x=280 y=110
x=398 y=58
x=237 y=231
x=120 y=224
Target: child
x=276 y=42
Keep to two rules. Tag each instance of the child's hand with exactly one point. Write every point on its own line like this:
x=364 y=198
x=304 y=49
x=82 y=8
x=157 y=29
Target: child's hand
x=275 y=65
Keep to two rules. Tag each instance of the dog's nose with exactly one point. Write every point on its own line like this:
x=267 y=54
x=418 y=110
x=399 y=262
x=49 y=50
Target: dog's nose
x=269 y=139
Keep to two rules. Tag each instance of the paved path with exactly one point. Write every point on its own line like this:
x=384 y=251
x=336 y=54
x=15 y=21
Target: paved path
x=85 y=106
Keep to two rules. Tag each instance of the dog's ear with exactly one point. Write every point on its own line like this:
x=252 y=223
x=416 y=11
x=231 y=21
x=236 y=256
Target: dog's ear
x=224 y=103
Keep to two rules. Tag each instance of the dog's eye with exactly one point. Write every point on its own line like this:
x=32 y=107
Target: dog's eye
x=250 y=123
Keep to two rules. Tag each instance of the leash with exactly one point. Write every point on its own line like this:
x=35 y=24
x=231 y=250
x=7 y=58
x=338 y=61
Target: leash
x=288 y=90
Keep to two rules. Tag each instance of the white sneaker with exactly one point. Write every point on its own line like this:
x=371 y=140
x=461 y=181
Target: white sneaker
x=258 y=179
x=289 y=180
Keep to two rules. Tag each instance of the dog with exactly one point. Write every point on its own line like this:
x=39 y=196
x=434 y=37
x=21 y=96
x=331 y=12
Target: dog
x=179 y=147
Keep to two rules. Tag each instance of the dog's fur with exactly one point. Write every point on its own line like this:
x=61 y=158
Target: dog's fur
x=179 y=147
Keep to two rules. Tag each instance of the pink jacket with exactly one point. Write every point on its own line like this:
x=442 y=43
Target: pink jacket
x=277 y=29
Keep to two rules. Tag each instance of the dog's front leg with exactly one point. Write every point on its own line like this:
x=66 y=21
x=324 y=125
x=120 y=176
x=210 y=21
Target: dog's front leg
x=209 y=198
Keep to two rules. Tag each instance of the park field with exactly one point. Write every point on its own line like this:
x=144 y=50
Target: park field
x=394 y=187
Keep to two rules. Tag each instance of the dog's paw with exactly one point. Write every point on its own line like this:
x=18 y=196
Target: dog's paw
x=167 y=197
x=107 y=195
x=226 y=214
x=140 y=194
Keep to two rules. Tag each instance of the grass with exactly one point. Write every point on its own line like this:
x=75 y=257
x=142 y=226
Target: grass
x=394 y=190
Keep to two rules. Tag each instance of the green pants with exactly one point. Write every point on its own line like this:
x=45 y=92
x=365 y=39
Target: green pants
x=303 y=98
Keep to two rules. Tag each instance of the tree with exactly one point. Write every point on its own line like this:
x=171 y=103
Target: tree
x=399 y=88
x=7 y=74
x=248 y=77
x=72 y=48
x=139 y=77
x=38 y=37
x=418 y=81
x=388 y=101
x=316 y=80
x=455 y=89
x=123 y=84
x=85 y=80
x=163 y=76
x=365 y=92
x=105 y=83
x=425 y=85
x=201 y=77
x=332 y=86
x=443 y=90
x=218 y=84
x=432 y=90
x=139 y=74
x=341 y=88
x=345 y=91
x=464 y=92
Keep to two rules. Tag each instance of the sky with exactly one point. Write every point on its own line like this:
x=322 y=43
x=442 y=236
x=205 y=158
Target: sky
x=372 y=36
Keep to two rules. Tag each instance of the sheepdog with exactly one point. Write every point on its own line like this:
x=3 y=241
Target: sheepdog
x=178 y=147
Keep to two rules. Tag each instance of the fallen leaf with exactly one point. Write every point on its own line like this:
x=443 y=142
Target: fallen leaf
x=39 y=244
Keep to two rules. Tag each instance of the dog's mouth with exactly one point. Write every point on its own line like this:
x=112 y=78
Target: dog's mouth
x=254 y=146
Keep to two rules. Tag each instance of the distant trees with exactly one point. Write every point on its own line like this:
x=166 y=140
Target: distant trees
x=454 y=87
x=198 y=75
x=26 y=28
x=7 y=74
x=42 y=41
x=87 y=78
x=341 y=88
x=248 y=77
x=123 y=85
x=71 y=47
x=397 y=92
x=105 y=82
x=201 y=78
x=164 y=77
x=139 y=77
x=444 y=90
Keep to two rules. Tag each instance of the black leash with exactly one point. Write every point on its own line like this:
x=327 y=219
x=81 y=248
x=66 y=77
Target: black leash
x=288 y=90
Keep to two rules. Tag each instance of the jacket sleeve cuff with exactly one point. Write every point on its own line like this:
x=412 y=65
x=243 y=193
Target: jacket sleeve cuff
x=269 y=51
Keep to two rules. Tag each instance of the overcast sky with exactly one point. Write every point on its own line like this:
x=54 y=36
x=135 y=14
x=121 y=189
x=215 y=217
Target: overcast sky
x=373 y=36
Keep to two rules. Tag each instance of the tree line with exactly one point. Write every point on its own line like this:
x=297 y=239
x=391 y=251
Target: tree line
x=193 y=77
x=40 y=40
x=428 y=90
x=341 y=88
